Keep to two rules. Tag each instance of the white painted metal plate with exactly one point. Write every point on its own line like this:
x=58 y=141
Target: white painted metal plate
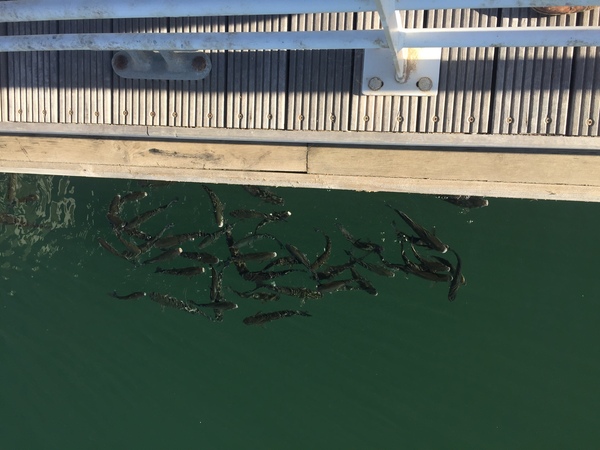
x=422 y=68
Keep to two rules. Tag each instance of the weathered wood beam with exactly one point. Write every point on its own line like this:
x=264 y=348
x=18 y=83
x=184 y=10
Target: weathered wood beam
x=560 y=176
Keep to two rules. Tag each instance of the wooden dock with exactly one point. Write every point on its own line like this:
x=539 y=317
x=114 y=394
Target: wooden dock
x=508 y=122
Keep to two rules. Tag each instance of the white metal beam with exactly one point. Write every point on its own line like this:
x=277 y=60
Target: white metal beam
x=35 y=10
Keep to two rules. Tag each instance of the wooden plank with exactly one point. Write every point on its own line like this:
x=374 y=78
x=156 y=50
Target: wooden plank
x=220 y=156
x=408 y=185
x=457 y=165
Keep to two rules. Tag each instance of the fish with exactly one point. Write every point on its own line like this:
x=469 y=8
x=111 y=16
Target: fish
x=363 y=283
x=260 y=275
x=262 y=318
x=332 y=286
x=465 y=201
x=457 y=278
x=138 y=220
x=298 y=255
x=359 y=243
x=248 y=214
x=375 y=268
x=172 y=241
x=324 y=257
x=184 y=271
x=429 y=238
x=250 y=239
x=132 y=296
x=262 y=296
x=133 y=196
x=216 y=288
x=217 y=206
x=332 y=271
x=254 y=257
x=283 y=261
x=172 y=302
x=209 y=238
x=264 y=194
x=417 y=270
x=298 y=292
x=150 y=241
x=428 y=264
x=133 y=250
x=220 y=305
x=113 y=250
x=273 y=217
x=205 y=258
x=165 y=256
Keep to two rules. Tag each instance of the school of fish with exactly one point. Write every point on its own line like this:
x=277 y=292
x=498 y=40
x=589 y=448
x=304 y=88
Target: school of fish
x=417 y=251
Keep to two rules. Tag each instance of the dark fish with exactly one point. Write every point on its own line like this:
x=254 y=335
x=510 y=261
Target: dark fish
x=112 y=250
x=205 y=258
x=332 y=271
x=254 y=257
x=418 y=271
x=172 y=241
x=216 y=287
x=132 y=249
x=283 y=261
x=457 y=278
x=138 y=220
x=332 y=286
x=150 y=241
x=209 y=238
x=359 y=243
x=184 y=271
x=217 y=206
x=265 y=195
x=375 y=268
x=260 y=275
x=172 y=302
x=362 y=282
x=262 y=318
x=116 y=222
x=428 y=264
x=298 y=255
x=273 y=217
x=131 y=296
x=11 y=188
x=465 y=201
x=324 y=257
x=165 y=256
x=220 y=305
x=250 y=239
x=298 y=292
x=262 y=296
x=429 y=238
x=133 y=196
x=248 y=214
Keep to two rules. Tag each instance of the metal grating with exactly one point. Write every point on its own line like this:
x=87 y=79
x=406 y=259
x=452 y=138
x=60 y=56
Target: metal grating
x=482 y=90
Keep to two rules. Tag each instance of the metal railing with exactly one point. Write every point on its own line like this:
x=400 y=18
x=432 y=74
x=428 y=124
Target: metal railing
x=155 y=55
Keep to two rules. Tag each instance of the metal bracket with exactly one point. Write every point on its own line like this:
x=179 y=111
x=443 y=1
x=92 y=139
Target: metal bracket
x=161 y=65
x=398 y=70
x=421 y=76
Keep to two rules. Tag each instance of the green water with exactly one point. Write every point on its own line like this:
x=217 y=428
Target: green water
x=512 y=363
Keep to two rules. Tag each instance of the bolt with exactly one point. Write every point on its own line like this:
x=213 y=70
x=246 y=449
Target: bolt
x=199 y=63
x=471 y=119
x=509 y=120
x=375 y=84
x=120 y=61
x=425 y=84
x=589 y=122
x=548 y=120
